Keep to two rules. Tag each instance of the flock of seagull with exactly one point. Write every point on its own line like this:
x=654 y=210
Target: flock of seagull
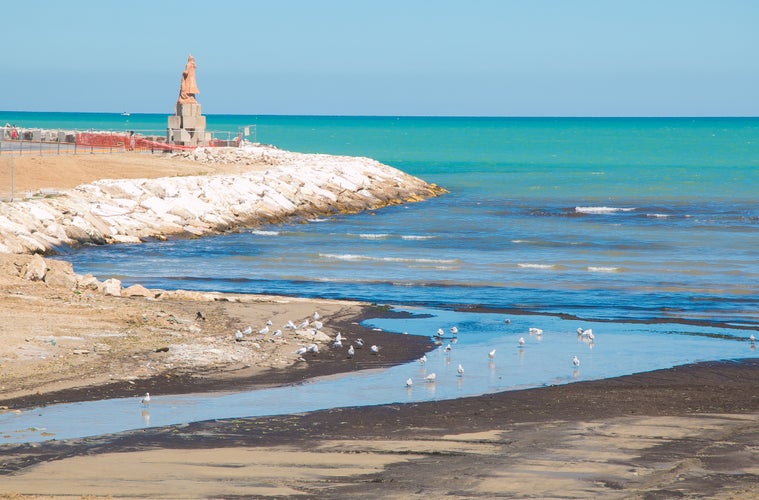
x=586 y=336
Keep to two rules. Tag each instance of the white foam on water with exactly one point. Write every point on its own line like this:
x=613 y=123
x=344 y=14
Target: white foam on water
x=602 y=210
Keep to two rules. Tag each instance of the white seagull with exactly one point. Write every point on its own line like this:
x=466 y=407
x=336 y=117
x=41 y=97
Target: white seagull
x=301 y=350
x=146 y=399
x=290 y=324
x=576 y=361
x=521 y=341
x=536 y=331
x=337 y=344
x=374 y=349
x=448 y=347
x=491 y=354
x=339 y=337
x=751 y=338
x=264 y=330
x=430 y=378
x=302 y=325
x=351 y=351
x=460 y=370
x=359 y=343
x=318 y=325
x=313 y=348
x=248 y=330
x=454 y=330
x=409 y=382
x=238 y=335
x=269 y=322
x=439 y=332
x=277 y=333
x=317 y=315
x=423 y=359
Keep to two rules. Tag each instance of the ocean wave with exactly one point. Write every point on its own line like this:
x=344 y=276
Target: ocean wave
x=659 y=216
x=416 y=237
x=536 y=266
x=602 y=210
x=357 y=257
x=374 y=236
x=259 y=232
x=603 y=269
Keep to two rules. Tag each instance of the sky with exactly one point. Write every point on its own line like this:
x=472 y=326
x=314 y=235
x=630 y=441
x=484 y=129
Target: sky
x=385 y=57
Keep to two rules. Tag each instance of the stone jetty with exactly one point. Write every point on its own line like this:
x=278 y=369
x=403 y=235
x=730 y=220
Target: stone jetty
x=279 y=186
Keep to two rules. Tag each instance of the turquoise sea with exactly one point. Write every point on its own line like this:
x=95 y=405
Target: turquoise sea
x=644 y=229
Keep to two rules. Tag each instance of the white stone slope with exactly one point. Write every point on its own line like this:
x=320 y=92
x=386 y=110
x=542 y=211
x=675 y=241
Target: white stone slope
x=132 y=210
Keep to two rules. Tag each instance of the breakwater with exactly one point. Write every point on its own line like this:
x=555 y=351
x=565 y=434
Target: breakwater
x=278 y=186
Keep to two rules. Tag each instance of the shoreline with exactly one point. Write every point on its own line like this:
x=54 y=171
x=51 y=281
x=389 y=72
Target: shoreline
x=684 y=431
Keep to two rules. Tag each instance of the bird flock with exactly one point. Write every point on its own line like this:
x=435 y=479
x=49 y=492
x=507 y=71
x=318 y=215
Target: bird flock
x=446 y=339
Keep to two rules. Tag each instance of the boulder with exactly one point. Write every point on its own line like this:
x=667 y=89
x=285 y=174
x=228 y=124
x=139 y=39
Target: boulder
x=111 y=287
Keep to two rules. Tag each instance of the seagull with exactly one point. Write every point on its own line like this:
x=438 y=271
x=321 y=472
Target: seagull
x=264 y=330
x=351 y=351
x=146 y=399
x=277 y=333
x=301 y=351
x=290 y=325
x=248 y=330
x=576 y=361
x=448 y=347
x=430 y=377
x=439 y=332
x=374 y=349
x=359 y=343
x=588 y=334
x=454 y=330
x=751 y=338
x=460 y=370
x=491 y=354
x=409 y=382
x=536 y=331
x=313 y=348
x=521 y=341
x=238 y=335
x=423 y=359
x=269 y=322
x=317 y=315
x=338 y=337
x=318 y=325
x=507 y=321
x=337 y=344
x=302 y=325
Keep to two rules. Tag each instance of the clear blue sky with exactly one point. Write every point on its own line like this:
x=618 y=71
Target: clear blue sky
x=386 y=57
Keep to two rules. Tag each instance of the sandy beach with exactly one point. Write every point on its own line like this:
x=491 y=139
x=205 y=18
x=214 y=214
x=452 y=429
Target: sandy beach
x=685 y=432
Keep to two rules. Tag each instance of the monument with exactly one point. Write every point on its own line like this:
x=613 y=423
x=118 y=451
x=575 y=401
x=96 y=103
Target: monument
x=187 y=127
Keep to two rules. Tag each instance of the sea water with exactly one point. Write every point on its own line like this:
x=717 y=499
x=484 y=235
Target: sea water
x=645 y=230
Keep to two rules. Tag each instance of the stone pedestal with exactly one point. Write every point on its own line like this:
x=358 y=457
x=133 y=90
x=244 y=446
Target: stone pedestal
x=188 y=126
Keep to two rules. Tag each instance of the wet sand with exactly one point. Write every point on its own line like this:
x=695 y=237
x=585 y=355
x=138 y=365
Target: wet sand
x=687 y=432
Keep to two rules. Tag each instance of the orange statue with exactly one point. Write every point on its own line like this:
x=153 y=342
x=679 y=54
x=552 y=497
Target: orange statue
x=188 y=88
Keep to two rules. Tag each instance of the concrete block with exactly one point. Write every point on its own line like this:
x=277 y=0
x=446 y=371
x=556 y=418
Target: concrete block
x=194 y=122
x=175 y=121
x=185 y=109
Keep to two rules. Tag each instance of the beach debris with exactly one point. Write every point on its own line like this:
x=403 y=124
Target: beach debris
x=162 y=349
x=460 y=370
x=200 y=316
x=409 y=382
x=145 y=401
x=576 y=361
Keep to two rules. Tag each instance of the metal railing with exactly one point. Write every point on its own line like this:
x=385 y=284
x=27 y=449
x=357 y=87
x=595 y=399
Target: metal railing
x=36 y=141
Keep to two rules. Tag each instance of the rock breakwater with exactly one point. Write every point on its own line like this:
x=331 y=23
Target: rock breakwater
x=278 y=186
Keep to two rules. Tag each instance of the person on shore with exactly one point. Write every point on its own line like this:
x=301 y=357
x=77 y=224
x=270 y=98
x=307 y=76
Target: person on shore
x=131 y=140
x=14 y=133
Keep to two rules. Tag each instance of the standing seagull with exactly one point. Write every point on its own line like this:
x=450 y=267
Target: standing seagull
x=374 y=349
x=409 y=382
x=430 y=378
x=491 y=354
x=576 y=361
x=454 y=330
x=460 y=370
x=351 y=351
x=423 y=359
x=146 y=400
x=521 y=341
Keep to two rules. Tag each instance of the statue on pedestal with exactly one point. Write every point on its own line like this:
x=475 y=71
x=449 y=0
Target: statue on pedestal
x=188 y=87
